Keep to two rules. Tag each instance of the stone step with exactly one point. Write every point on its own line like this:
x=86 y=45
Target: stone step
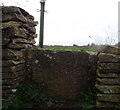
x=106 y=81
x=108 y=89
x=13 y=81
x=112 y=50
x=107 y=75
x=106 y=58
x=108 y=67
x=12 y=54
x=13 y=75
x=8 y=63
x=108 y=97
x=103 y=105
x=13 y=68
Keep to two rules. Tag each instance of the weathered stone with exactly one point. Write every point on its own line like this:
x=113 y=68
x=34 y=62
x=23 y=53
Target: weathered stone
x=13 y=81
x=108 y=89
x=10 y=24
x=107 y=75
x=13 y=17
x=9 y=87
x=13 y=74
x=8 y=54
x=7 y=63
x=115 y=81
x=107 y=105
x=13 y=68
x=23 y=41
x=109 y=67
x=32 y=35
x=30 y=29
x=112 y=50
x=31 y=22
x=108 y=97
x=19 y=46
x=15 y=32
x=10 y=9
x=26 y=14
x=64 y=80
x=107 y=58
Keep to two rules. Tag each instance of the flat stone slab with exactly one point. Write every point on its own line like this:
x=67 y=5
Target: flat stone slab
x=13 y=81
x=11 y=24
x=108 y=67
x=108 y=89
x=23 y=41
x=13 y=68
x=15 y=32
x=8 y=63
x=107 y=58
x=8 y=54
x=13 y=75
x=107 y=75
x=107 y=105
x=108 y=97
x=111 y=50
x=106 y=81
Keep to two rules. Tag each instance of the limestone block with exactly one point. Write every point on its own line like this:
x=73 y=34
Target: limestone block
x=103 y=57
x=108 y=97
x=109 y=67
x=10 y=9
x=19 y=46
x=13 y=74
x=108 y=89
x=23 y=41
x=8 y=54
x=7 y=63
x=10 y=24
x=13 y=81
x=107 y=75
x=13 y=17
x=107 y=105
x=15 y=32
x=112 y=50
x=13 y=68
x=115 y=81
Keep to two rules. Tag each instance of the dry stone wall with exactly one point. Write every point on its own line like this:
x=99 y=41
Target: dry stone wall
x=18 y=33
x=108 y=78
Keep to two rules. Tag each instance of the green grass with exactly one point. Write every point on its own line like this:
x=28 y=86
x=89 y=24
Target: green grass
x=68 y=48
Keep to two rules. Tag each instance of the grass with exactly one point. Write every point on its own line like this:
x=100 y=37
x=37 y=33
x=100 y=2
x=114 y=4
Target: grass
x=68 y=48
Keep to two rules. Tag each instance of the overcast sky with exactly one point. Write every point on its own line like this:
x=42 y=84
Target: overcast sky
x=71 y=22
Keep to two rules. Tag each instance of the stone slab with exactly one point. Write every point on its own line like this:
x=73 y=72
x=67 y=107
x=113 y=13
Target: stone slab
x=13 y=68
x=13 y=75
x=111 y=50
x=8 y=54
x=108 y=97
x=108 y=89
x=8 y=63
x=108 y=67
x=15 y=32
x=106 y=81
x=108 y=58
x=103 y=105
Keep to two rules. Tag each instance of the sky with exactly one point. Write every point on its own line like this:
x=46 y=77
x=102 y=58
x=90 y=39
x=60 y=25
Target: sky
x=69 y=22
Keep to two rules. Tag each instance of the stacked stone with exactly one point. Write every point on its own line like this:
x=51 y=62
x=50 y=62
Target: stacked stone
x=18 y=33
x=108 y=78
